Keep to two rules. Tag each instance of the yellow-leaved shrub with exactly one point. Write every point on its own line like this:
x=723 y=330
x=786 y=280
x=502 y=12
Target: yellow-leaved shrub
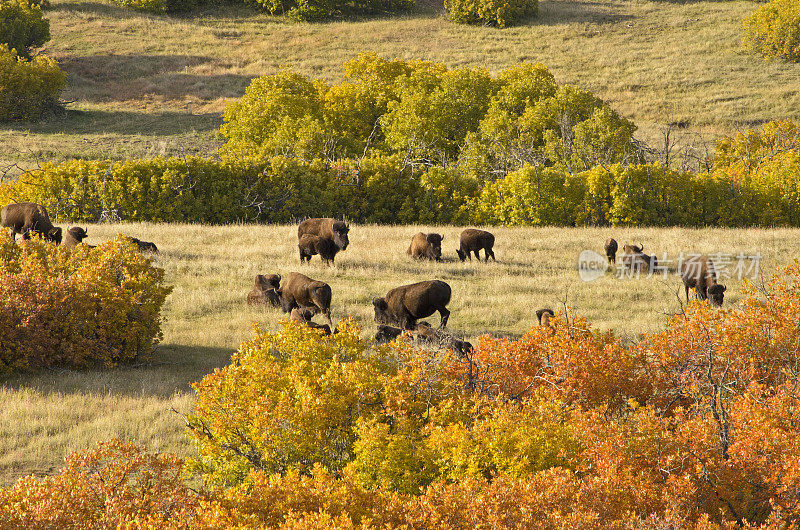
x=28 y=88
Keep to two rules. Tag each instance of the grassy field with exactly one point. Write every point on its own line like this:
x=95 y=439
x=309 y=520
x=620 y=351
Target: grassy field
x=142 y=85
x=46 y=415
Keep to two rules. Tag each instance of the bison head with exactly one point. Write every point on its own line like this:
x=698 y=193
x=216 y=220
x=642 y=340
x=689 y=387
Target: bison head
x=78 y=233
x=382 y=314
x=269 y=281
x=340 y=230
x=716 y=293
x=387 y=334
x=461 y=254
x=434 y=250
x=54 y=235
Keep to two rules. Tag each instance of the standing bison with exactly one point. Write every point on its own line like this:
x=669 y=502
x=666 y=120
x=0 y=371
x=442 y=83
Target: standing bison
x=611 y=250
x=336 y=231
x=26 y=217
x=698 y=272
x=265 y=290
x=403 y=306
x=301 y=291
x=474 y=240
x=311 y=245
x=426 y=246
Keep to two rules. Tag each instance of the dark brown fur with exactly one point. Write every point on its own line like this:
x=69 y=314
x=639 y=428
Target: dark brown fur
x=544 y=315
x=426 y=246
x=698 y=272
x=74 y=237
x=265 y=290
x=301 y=291
x=336 y=231
x=634 y=258
x=403 y=306
x=438 y=338
x=144 y=246
x=311 y=245
x=26 y=217
x=387 y=334
x=474 y=240
x=304 y=316
x=611 y=250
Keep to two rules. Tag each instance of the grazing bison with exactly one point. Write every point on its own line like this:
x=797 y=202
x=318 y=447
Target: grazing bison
x=635 y=259
x=26 y=217
x=301 y=291
x=611 y=250
x=426 y=246
x=328 y=228
x=265 y=290
x=74 y=237
x=304 y=316
x=311 y=245
x=387 y=334
x=474 y=240
x=403 y=306
x=698 y=272
x=544 y=315
x=435 y=337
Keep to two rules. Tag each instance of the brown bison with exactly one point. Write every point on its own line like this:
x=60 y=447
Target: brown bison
x=386 y=334
x=311 y=245
x=301 y=291
x=544 y=315
x=426 y=246
x=403 y=306
x=474 y=240
x=441 y=339
x=74 y=237
x=328 y=228
x=635 y=259
x=265 y=290
x=698 y=272
x=144 y=246
x=611 y=250
x=304 y=316
x=26 y=217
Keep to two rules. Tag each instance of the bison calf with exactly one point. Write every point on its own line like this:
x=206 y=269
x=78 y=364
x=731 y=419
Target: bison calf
x=474 y=240
x=304 y=316
x=611 y=250
x=301 y=291
x=387 y=334
x=698 y=272
x=26 y=217
x=311 y=245
x=336 y=231
x=403 y=306
x=426 y=334
x=265 y=290
x=426 y=246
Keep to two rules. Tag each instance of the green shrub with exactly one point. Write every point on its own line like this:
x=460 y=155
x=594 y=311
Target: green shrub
x=159 y=7
x=28 y=88
x=76 y=307
x=312 y=10
x=22 y=26
x=773 y=30
x=499 y=13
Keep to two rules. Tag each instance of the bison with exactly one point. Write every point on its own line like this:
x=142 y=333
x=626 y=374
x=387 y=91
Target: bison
x=403 y=306
x=265 y=290
x=144 y=246
x=328 y=228
x=387 y=334
x=74 y=237
x=611 y=250
x=698 y=272
x=301 y=291
x=544 y=315
x=311 y=245
x=426 y=246
x=26 y=217
x=634 y=258
x=304 y=316
x=426 y=334
x=474 y=240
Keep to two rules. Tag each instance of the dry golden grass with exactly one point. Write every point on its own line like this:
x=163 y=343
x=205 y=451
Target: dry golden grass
x=146 y=85
x=46 y=415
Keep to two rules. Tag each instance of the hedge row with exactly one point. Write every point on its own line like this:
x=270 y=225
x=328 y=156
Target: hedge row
x=745 y=191
x=76 y=307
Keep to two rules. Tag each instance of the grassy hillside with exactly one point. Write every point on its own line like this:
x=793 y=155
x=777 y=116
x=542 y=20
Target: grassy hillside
x=143 y=85
x=48 y=414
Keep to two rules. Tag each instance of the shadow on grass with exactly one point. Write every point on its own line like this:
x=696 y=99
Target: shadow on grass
x=172 y=368
x=93 y=122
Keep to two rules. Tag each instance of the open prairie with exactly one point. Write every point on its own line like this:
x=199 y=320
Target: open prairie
x=46 y=415
x=143 y=85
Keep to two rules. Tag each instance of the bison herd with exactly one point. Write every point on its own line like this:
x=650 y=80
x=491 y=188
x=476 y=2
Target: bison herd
x=398 y=310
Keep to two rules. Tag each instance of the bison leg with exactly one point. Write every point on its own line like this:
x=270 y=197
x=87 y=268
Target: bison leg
x=445 y=315
x=327 y=314
x=490 y=253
